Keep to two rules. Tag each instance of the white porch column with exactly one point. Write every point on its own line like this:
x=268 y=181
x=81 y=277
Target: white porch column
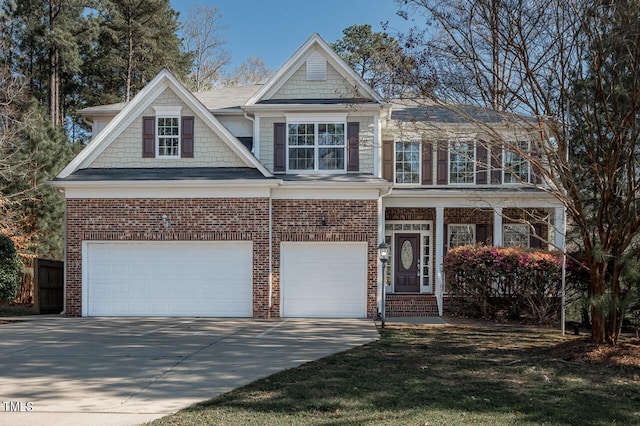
x=497 y=226
x=439 y=249
x=559 y=226
x=381 y=233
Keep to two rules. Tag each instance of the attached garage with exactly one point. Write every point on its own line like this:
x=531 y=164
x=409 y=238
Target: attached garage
x=324 y=279
x=167 y=278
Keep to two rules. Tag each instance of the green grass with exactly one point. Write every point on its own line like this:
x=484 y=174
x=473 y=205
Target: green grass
x=456 y=375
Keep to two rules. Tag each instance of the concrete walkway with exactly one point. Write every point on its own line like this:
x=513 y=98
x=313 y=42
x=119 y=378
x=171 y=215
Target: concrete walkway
x=120 y=371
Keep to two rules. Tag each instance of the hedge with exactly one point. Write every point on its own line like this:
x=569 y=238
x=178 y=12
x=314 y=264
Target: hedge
x=502 y=282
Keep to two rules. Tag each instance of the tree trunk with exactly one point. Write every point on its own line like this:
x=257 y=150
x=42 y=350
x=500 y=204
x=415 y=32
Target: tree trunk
x=598 y=277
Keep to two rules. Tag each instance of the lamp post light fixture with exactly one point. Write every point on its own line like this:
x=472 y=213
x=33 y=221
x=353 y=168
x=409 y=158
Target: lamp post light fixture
x=383 y=255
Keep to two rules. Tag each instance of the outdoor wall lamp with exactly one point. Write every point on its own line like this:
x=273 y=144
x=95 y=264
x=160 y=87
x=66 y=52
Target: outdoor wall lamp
x=165 y=221
x=324 y=219
x=383 y=255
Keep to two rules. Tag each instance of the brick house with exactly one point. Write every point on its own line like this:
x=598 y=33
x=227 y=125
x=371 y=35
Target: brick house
x=270 y=200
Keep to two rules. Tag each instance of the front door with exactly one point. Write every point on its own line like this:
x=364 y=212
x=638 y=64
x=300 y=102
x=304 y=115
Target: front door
x=407 y=263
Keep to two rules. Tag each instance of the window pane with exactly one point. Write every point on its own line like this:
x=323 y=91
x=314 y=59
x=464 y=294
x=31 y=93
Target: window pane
x=462 y=162
x=331 y=134
x=516 y=167
x=301 y=158
x=461 y=235
x=168 y=137
x=331 y=158
x=515 y=235
x=407 y=162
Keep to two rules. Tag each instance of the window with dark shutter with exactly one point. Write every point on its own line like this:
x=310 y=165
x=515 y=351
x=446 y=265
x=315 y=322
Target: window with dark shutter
x=536 y=240
x=187 y=137
x=388 y=161
x=443 y=163
x=482 y=164
x=427 y=163
x=279 y=147
x=148 y=137
x=353 y=147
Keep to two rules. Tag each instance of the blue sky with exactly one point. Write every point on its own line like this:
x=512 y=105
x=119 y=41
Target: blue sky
x=273 y=29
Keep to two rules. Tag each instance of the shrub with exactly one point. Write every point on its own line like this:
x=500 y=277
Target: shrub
x=9 y=269
x=495 y=282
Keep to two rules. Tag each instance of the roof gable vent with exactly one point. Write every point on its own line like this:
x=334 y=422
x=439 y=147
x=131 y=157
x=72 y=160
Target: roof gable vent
x=316 y=67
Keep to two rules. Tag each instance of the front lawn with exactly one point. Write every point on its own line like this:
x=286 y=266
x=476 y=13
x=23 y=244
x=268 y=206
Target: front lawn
x=454 y=375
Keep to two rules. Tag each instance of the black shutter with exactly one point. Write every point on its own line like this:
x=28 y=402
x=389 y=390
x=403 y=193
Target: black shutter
x=481 y=163
x=148 y=137
x=353 y=147
x=279 y=147
x=388 y=161
x=443 y=163
x=427 y=163
x=536 y=241
x=536 y=177
x=482 y=233
x=445 y=239
x=186 y=138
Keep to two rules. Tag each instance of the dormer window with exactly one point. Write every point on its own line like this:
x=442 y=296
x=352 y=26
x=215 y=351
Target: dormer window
x=167 y=134
x=168 y=137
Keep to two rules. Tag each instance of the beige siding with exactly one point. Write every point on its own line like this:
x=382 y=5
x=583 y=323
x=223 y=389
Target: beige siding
x=266 y=140
x=297 y=87
x=126 y=150
x=366 y=142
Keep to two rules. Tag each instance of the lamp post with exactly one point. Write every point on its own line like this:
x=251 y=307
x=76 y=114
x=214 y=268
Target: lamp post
x=383 y=255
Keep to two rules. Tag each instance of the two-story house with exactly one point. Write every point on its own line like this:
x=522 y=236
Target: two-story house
x=270 y=200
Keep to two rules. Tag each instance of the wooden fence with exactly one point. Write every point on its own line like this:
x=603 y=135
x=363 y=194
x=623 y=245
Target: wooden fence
x=48 y=279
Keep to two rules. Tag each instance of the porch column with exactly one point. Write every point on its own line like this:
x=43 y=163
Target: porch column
x=439 y=246
x=381 y=238
x=497 y=226
x=559 y=226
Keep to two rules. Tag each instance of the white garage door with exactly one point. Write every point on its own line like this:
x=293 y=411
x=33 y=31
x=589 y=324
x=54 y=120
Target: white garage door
x=167 y=279
x=324 y=280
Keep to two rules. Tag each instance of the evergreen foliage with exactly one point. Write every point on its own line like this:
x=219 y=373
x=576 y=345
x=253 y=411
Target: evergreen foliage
x=9 y=269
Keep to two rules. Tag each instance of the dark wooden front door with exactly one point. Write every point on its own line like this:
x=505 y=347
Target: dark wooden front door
x=406 y=262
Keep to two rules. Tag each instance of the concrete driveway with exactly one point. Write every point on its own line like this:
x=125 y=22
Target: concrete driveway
x=103 y=371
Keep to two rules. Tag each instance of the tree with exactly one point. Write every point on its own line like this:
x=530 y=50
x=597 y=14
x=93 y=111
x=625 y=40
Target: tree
x=137 y=39
x=9 y=269
x=376 y=57
x=51 y=35
x=566 y=75
x=251 y=71
x=203 y=39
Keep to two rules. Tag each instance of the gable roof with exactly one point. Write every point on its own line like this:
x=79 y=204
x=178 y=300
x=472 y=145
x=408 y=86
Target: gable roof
x=313 y=43
x=138 y=104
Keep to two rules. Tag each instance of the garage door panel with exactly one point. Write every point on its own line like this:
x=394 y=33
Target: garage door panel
x=324 y=279
x=169 y=278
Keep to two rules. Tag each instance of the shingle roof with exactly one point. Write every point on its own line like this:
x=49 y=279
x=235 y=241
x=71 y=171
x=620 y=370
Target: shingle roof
x=169 y=173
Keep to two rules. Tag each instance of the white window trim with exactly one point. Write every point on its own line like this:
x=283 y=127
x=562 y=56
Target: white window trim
x=419 y=163
x=504 y=164
x=317 y=119
x=390 y=235
x=454 y=225
x=474 y=162
x=168 y=111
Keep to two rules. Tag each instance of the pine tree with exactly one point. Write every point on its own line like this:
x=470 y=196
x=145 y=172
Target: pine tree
x=137 y=39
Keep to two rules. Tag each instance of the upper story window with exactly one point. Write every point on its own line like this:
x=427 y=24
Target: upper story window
x=462 y=162
x=407 y=164
x=516 y=168
x=317 y=146
x=168 y=136
x=461 y=235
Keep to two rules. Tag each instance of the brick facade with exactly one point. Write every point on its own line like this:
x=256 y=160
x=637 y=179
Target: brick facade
x=347 y=221
x=207 y=219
